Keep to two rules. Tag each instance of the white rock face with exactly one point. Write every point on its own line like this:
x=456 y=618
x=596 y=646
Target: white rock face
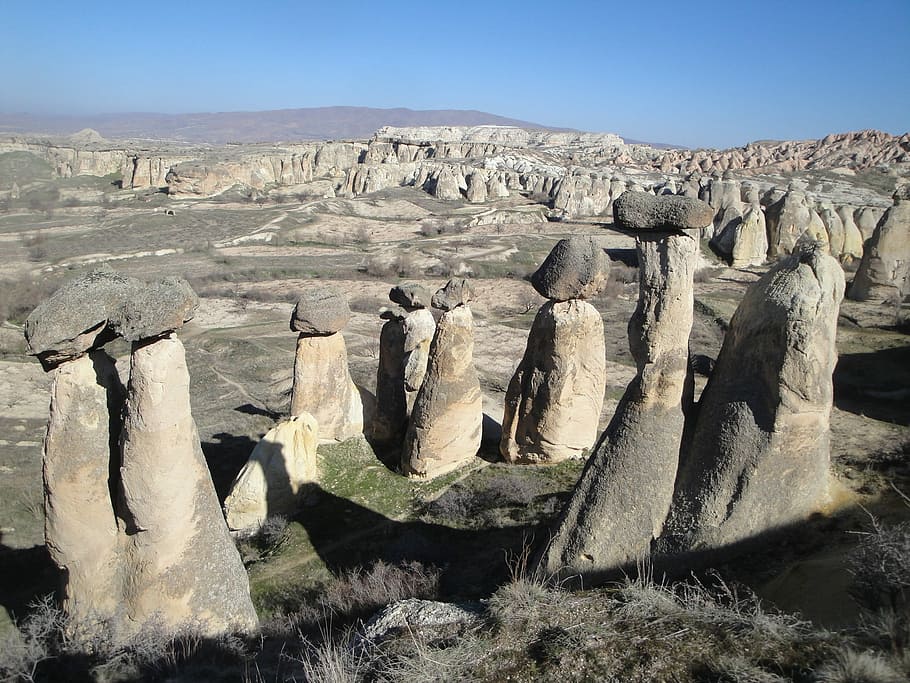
x=853 y=238
x=324 y=389
x=418 y=327
x=884 y=272
x=553 y=403
x=80 y=526
x=271 y=480
x=759 y=456
x=622 y=497
x=750 y=239
x=835 y=227
x=445 y=427
x=787 y=220
x=183 y=566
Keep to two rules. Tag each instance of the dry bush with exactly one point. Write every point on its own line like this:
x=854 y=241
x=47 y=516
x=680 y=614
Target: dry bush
x=363 y=235
x=880 y=566
x=851 y=666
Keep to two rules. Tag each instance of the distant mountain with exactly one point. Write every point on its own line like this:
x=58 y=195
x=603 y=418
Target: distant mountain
x=283 y=125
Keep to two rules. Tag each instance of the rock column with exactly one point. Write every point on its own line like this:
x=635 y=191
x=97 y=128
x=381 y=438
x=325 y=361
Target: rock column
x=884 y=272
x=554 y=401
x=444 y=431
x=621 y=500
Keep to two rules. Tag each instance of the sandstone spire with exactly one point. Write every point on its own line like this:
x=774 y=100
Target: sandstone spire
x=553 y=403
x=621 y=500
x=444 y=430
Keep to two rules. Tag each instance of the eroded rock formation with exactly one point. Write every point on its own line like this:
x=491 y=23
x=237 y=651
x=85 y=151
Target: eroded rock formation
x=553 y=403
x=270 y=482
x=884 y=272
x=322 y=382
x=621 y=500
x=444 y=430
x=759 y=455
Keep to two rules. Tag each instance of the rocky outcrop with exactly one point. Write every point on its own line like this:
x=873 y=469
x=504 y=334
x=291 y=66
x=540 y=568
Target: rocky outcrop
x=744 y=242
x=270 y=482
x=322 y=382
x=759 y=455
x=444 y=429
x=621 y=500
x=884 y=272
x=787 y=220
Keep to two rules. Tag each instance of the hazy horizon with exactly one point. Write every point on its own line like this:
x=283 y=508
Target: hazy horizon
x=707 y=75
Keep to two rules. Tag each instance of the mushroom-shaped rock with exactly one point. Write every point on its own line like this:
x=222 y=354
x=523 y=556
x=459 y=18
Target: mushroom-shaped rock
x=270 y=482
x=320 y=310
x=576 y=268
x=884 y=272
x=621 y=499
x=410 y=296
x=184 y=568
x=644 y=211
x=553 y=403
x=457 y=292
x=759 y=454
x=89 y=311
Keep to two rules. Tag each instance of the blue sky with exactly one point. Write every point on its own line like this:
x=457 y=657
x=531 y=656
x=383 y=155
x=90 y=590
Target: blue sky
x=705 y=73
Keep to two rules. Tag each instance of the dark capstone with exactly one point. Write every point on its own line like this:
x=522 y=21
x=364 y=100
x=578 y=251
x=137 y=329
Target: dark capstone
x=410 y=295
x=576 y=268
x=457 y=292
x=321 y=310
x=644 y=211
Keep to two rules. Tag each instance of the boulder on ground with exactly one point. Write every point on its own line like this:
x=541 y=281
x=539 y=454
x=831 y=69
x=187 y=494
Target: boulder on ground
x=271 y=480
x=576 y=268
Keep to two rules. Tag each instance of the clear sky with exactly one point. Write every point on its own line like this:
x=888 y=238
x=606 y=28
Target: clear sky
x=697 y=73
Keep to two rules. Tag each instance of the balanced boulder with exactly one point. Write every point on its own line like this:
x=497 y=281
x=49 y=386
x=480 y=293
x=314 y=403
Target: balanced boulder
x=576 y=268
x=322 y=382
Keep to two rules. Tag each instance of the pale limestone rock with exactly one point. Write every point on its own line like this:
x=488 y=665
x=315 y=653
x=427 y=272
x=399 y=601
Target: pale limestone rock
x=324 y=389
x=553 y=403
x=866 y=219
x=759 y=454
x=853 y=238
x=750 y=239
x=835 y=227
x=419 y=327
x=477 y=188
x=621 y=500
x=446 y=185
x=80 y=457
x=184 y=568
x=787 y=220
x=270 y=482
x=816 y=230
x=884 y=272
x=445 y=426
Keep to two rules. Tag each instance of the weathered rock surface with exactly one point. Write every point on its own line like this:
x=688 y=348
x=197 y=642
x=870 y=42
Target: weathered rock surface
x=644 y=211
x=184 y=568
x=759 y=456
x=750 y=239
x=457 y=292
x=324 y=389
x=884 y=272
x=576 y=268
x=835 y=227
x=104 y=304
x=445 y=426
x=410 y=296
x=271 y=480
x=390 y=420
x=320 y=310
x=621 y=500
x=853 y=238
x=403 y=616
x=81 y=460
x=553 y=403
x=787 y=220
x=419 y=328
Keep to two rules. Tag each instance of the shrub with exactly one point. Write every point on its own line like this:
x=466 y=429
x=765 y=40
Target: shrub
x=880 y=566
